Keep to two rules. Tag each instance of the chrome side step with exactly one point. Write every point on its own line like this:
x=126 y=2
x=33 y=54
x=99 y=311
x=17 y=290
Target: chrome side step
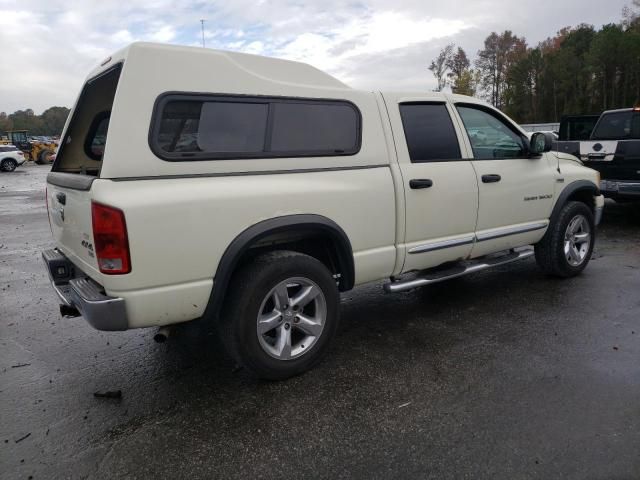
x=435 y=276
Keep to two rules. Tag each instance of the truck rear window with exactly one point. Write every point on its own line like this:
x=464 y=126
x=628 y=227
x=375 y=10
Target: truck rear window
x=82 y=147
x=577 y=128
x=618 y=125
x=195 y=127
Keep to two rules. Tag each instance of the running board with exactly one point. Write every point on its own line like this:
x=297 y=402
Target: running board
x=429 y=277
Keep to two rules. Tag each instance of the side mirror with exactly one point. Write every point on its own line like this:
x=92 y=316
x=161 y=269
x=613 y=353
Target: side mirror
x=540 y=143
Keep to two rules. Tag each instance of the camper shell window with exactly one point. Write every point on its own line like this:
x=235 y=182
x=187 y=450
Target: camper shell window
x=209 y=127
x=82 y=147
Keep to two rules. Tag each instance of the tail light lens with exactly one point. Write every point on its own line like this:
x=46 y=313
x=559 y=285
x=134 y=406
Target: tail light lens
x=110 y=239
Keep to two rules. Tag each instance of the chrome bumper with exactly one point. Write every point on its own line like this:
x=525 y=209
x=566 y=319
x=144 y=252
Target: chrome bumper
x=598 y=215
x=620 y=188
x=598 y=208
x=77 y=290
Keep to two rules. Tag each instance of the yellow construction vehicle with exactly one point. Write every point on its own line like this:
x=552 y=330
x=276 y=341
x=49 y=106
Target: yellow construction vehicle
x=37 y=151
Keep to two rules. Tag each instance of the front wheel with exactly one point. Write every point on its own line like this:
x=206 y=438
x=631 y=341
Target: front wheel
x=566 y=248
x=280 y=315
x=8 y=165
x=44 y=156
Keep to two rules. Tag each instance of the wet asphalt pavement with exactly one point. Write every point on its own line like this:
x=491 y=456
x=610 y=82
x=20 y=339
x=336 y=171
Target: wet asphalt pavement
x=504 y=374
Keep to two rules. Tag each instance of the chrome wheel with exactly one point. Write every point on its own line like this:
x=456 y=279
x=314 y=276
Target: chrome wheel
x=291 y=318
x=577 y=240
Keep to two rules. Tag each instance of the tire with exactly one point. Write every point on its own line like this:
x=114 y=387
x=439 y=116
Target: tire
x=259 y=314
x=566 y=248
x=43 y=156
x=8 y=165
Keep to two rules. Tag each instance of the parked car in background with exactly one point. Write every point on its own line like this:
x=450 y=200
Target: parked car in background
x=251 y=191
x=613 y=149
x=541 y=127
x=11 y=157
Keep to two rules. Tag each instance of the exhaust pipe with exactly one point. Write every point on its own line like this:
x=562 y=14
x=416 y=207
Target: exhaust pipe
x=68 y=311
x=162 y=334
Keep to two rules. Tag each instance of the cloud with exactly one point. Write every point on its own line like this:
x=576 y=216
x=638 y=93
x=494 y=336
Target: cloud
x=50 y=45
x=164 y=34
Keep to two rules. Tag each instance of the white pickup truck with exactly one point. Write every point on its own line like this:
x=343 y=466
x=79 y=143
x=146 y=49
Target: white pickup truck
x=251 y=191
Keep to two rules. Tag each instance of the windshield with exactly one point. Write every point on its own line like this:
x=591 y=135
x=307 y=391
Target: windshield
x=617 y=126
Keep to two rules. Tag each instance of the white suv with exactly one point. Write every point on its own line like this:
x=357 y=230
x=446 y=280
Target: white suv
x=11 y=157
x=251 y=191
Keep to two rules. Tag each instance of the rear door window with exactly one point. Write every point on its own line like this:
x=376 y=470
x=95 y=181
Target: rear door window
x=190 y=127
x=429 y=132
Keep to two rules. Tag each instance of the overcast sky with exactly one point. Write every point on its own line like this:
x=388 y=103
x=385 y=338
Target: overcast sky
x=48 y=46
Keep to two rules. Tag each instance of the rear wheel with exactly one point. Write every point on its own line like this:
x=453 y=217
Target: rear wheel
x=8 y=165
x=281 y=314
x=566 y=248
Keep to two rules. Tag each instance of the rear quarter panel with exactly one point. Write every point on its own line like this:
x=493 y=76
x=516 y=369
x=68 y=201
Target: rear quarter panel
x=180 y=228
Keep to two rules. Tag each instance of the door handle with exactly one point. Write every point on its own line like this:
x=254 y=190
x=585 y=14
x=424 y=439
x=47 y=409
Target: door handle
x=418 y=183
x=62 y=198
x=491 y=178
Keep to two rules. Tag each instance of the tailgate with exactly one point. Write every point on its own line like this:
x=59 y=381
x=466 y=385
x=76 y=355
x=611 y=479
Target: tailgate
x=615 y=160
x=77 y=166
x=602 y=151
x=70 y=217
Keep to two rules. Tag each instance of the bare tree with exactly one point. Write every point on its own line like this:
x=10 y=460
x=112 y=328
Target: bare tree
x=460 y=76
x=439 y=66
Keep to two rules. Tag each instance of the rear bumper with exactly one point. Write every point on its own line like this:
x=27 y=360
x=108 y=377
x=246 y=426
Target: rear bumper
x=620 y=188
x=77 y=290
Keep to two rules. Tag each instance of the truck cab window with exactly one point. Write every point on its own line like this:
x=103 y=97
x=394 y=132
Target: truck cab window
x=491 y=138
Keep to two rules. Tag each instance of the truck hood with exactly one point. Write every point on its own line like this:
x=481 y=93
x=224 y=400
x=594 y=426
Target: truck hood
x=566 y=157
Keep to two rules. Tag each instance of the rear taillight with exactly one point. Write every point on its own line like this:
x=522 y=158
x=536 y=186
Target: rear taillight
x=110 y=239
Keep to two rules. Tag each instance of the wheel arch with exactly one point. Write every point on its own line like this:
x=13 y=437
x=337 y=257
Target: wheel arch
x=580 y=190
x=285 y=233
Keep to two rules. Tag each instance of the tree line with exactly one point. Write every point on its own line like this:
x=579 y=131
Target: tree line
x=49 y=123
x=580 y=70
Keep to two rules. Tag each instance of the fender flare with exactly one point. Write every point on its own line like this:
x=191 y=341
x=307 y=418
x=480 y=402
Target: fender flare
x=243 y=242
x=570 y=189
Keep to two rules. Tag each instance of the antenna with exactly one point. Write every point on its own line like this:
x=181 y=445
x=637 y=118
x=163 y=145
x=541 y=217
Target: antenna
x=202 y=28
